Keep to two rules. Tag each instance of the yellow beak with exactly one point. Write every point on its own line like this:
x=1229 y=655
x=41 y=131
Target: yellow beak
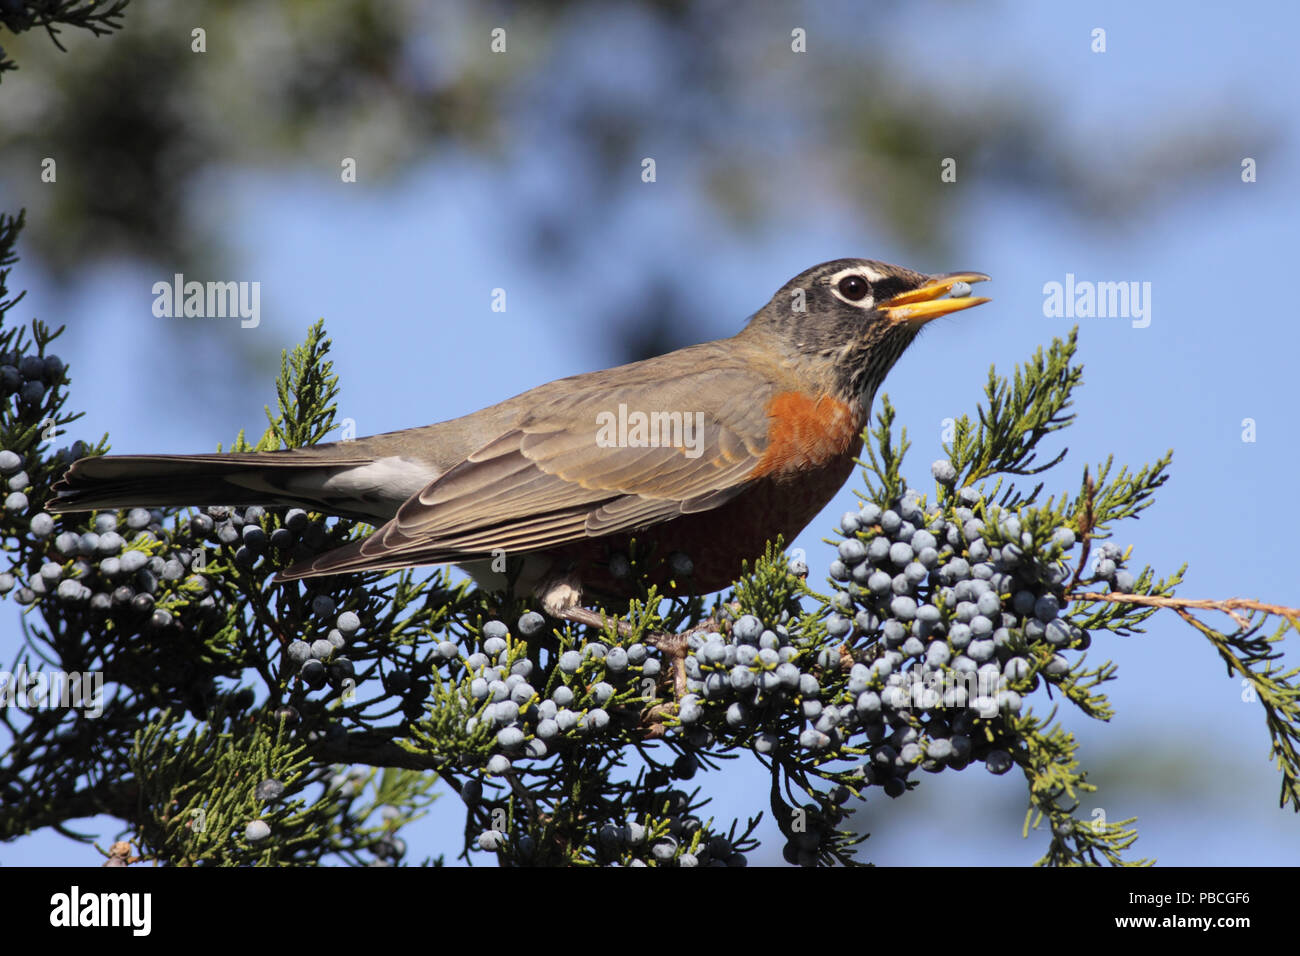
x=925 y=303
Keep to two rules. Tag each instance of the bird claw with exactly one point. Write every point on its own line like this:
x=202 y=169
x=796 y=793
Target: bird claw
x=561 y=594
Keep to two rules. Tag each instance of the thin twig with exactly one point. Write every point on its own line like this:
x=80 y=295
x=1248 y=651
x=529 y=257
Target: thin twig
x=1226 y=605
x=1085 y=528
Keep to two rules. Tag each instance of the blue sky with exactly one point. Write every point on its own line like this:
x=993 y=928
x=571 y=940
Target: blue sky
x=403 y=272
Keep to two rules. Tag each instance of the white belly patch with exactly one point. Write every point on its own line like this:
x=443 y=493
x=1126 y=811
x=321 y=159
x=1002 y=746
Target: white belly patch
x=383 y=484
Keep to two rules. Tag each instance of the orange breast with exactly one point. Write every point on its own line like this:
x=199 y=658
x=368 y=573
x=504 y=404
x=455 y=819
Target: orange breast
x=806 y=431
x=812 y=441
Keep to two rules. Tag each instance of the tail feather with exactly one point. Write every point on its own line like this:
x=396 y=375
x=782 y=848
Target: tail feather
x=159 y=481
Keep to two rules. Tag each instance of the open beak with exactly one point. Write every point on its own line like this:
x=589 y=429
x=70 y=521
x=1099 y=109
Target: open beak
x=926 y=302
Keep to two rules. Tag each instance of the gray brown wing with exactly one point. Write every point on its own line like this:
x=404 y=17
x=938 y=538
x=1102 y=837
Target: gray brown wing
x=549 y=481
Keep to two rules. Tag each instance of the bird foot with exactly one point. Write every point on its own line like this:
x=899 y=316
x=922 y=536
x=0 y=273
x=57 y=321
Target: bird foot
x=561 y=594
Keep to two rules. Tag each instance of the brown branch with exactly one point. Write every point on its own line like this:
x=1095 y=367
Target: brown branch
x=120 y=800
x=373 y=748
x=589 y=618
x=1226 y=605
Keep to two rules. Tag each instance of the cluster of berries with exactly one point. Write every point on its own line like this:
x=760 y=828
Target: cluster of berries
x=323 y=660
x=26 y=378
x=114 y=569
x=137 y=571
x=751 y=668
x=942 y=620
x=961 y=613
x=498 y=687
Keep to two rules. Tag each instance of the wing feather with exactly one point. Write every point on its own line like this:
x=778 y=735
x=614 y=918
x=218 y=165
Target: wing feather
x=551 y=481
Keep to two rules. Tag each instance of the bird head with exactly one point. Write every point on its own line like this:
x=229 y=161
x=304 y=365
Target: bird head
x=850 y=319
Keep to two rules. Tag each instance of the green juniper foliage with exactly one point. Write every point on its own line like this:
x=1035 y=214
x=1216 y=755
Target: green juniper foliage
x=95 y=16
x=242 y=722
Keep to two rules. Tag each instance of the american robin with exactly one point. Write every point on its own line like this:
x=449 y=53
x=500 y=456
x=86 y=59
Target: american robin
x=712 y=450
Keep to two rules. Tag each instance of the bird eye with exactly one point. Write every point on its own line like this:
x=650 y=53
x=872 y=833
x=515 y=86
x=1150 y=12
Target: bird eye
x=853 y=288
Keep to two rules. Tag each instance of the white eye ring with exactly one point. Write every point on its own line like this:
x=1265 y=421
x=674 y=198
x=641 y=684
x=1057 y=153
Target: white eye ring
x=867 y=301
